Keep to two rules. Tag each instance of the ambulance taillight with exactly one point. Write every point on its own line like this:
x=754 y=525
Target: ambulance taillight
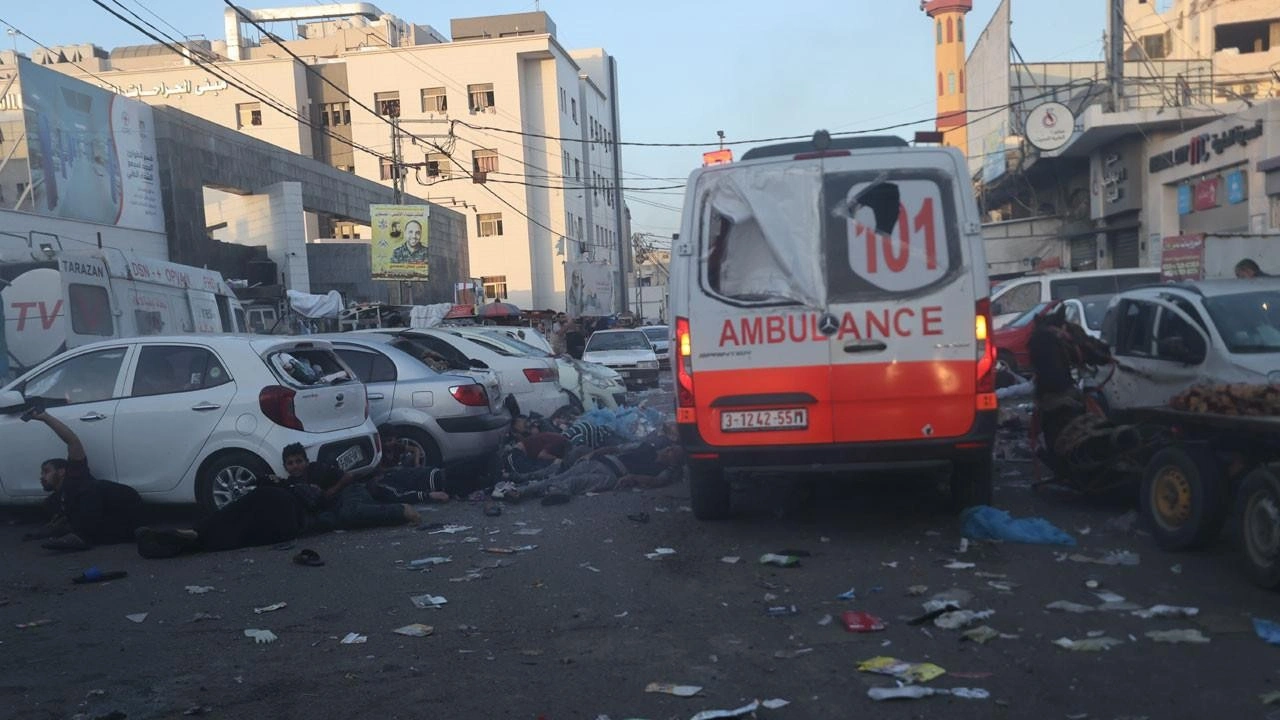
x=684 y=373
x=986 y=356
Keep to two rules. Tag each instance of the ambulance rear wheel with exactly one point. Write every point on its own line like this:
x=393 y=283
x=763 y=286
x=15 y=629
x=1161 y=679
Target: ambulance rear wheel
x=708 y=491
x=971 y=483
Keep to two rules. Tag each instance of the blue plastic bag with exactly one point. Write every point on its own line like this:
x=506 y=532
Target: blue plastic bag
x=1267 y=630
x=984 y=522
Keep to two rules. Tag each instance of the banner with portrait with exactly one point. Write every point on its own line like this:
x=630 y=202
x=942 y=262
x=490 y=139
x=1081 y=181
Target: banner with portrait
x=399 y=242
x=588 y=289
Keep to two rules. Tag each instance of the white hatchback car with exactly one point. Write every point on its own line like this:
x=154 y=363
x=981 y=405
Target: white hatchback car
x=190 y=418
x=587 y=385
x=629 y=352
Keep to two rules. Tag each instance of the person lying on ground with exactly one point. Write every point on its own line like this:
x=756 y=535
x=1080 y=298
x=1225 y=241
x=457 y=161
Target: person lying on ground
x=308 y=501
x=642 y=466
x=404 y=476
x=582 y=433
x=85 y=511
x=535 y=455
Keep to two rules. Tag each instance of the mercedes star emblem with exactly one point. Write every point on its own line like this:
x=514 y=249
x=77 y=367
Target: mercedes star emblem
x=828 y=324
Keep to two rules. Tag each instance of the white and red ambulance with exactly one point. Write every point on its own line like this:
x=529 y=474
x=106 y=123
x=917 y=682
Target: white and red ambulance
x=831 y=312
x=65 y=298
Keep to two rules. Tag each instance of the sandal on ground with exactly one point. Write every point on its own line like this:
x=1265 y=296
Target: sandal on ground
x=309 y=558
x=67 y=543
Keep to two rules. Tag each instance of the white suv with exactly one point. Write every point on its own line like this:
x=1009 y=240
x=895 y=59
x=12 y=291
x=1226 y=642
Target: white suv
x=187 y=418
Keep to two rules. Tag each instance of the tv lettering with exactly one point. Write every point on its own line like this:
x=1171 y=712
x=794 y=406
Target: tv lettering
x=47 y=317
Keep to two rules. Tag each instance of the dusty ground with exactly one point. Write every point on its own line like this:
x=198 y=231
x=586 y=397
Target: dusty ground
x=577 y=627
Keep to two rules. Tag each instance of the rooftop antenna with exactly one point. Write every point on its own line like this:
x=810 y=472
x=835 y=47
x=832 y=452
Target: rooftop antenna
x=720 y=134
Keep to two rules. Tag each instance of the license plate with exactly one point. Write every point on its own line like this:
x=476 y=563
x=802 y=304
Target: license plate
x=748 y=420
x=350 y=458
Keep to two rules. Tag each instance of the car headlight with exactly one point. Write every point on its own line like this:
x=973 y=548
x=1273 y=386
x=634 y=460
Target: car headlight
x=647 y=364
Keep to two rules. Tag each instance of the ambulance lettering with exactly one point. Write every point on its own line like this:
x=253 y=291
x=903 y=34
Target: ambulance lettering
x=880 y=324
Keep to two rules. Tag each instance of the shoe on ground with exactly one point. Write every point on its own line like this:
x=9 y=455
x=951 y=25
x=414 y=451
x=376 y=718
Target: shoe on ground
x=67 y=543
x=504 y=488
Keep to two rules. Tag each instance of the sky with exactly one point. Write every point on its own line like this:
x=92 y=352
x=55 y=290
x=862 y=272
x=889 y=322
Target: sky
x=688 y=68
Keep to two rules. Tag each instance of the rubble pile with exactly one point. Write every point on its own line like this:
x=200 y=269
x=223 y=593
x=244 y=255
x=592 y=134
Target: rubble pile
x=1249 y=400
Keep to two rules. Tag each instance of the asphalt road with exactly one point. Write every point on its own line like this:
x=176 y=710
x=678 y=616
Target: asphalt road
x=578 y=626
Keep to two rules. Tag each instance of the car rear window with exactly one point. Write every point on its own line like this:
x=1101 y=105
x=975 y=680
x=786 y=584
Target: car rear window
x=655 y=333
x=794 y=234
x=617 y=341
x=306 y=367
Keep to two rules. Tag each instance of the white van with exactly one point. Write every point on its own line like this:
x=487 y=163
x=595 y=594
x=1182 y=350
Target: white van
x=1014 y=297
x=75 y=297
x=830 y=311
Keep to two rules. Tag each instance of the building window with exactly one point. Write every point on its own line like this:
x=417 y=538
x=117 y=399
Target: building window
x=942 y=88
x=579 y=227
x=489 y=224
x=960 y=29
x=248 y=114
x=573 y=109
x=387 y=103
x=439 y=165
x=386 y=170
x=567 y=167
x=564 y=105
x=333 y=114
x=962 y=81
x=951 y=83
x=481 y=97
x=90 y=310
x=950 y=31
x=1155 y=47
x=939 y=32
x=484 y=161
x=495 y=287
x=434 y=100
x=577 y=170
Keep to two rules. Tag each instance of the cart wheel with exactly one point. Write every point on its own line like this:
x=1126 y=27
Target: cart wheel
x=1183 y=496
x=1258 y=511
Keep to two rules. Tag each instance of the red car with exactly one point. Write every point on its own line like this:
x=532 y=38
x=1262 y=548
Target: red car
x=1012 y=339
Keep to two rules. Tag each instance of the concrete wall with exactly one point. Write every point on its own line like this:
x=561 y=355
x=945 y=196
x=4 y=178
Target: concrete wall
x=1010 y=245
x=272 y=219
x=345 y=267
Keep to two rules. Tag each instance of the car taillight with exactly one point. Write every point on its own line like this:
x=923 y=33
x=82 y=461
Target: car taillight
x=276 y=402
x=684 y=373
x=473 y=395
x=536 y=375
x=986 y=355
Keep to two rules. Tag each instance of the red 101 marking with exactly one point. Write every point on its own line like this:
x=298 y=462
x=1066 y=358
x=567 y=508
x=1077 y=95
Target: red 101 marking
x=897 y=261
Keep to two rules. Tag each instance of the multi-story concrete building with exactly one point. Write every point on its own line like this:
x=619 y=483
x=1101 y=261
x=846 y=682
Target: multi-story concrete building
x=502 y=123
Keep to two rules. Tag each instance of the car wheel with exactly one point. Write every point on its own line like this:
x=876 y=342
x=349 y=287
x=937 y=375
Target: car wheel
x=709 y=491
x=1258 y=518
x=1184 y=498
x=228 y=476
x=972 y=484
x=417 y=440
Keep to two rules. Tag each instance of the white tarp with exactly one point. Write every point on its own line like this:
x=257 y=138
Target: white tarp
x=428 y=316
x=774 y=247
x=316 y=306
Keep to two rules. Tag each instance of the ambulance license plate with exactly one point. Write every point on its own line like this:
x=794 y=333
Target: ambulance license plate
x=753 y=420
x=350 y=458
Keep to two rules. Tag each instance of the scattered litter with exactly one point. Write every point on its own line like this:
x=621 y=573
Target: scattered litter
x=199 y=589
x=261 y=637
x=198 y=710
x=684 y=691
x=902 y=670
x=961 y=618
x=892 y=565
x=933 y=614
x=984 y=634
x=1084 y=530
x=1176 y=569
x=792 y=654
x=1167 y=611
x=990 y=575
x=659 y=553
x=270 y=608
x=137 y=617
x=203 y=616
x=775 y=703
x=415 y=630
x=450 y=529
x=623 y=614
x=528 y=531
x=770 y=597
x=1068 y=606
x=850 y=594
x=857 y=621
x=640 y=517
x=781 y=610
x=1092 y=584
x=825 y=620
x=1115 y=557
x=730 y=559
x=354 y=639
x=1004 y=587
x=94 y=575
x=423 y=602
x=984 y=522
x=32 y=624
x=589 y=566
x=1267 y=630
x=469 y=577
x=957 y=565
x=954 y=599
x=917 y=590
x=779 y=560
x=428 y=561
x=1270 y=698
x=1123 y=524
x=1178 y=636
x=1109 y=597
x=1097 y=644
x=737 y=712
x=915 y=692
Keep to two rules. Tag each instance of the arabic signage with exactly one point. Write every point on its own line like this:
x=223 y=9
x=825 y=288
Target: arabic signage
x=1184 y=200
x=1182 y=258
x=399 y=243
x=1203 y=147
x=92 y=153
x=183 y=87
x=589 y=289
x=1115 y=176
x=1206 y=194
x=1050 y=126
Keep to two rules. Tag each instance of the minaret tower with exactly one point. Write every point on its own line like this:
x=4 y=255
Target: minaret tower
x=948 y=38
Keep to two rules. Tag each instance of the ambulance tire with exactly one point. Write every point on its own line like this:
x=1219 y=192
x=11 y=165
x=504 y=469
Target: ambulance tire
x=709 y=491
x=972 y=483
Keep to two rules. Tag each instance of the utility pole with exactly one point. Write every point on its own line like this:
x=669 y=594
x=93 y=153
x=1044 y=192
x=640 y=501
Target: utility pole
x=1115 y=54
x=397 y=162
